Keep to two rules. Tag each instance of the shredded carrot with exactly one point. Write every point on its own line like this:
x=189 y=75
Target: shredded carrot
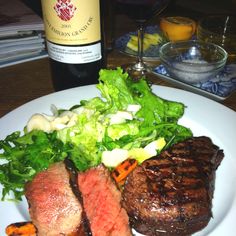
x=123 y=170
x=21 y=229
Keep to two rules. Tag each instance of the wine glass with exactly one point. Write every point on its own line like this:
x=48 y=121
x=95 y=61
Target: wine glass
x=140 y=11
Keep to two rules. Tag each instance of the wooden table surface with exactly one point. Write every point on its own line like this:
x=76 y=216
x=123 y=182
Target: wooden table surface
x=26 y=81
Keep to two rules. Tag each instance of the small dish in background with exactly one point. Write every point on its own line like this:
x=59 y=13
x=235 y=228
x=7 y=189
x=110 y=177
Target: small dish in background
x=151 y=54
x=192 y=61
x=217 y=88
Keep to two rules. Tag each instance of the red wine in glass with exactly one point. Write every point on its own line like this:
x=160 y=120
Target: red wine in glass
x=140 y=11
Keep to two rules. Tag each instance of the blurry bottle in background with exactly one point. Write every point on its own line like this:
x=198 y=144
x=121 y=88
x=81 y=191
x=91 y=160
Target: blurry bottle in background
x=109 y=24
x=74 y=41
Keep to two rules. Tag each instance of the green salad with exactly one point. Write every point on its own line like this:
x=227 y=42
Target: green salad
x=126 y=121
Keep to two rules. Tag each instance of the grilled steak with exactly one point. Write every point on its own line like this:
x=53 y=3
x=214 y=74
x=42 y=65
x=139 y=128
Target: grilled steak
x=54 y=209
x=101 y=201
x=171 y=194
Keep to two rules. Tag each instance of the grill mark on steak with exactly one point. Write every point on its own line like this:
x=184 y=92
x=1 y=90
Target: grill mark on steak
x=187 y=166
x=173 y=192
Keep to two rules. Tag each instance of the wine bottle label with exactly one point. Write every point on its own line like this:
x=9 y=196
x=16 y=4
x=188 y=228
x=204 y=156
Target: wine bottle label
x=70 y=25
x=74 y=54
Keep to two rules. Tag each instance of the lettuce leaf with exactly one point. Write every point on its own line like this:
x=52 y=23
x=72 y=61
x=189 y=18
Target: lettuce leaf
x=25 y=155
x=114 y=89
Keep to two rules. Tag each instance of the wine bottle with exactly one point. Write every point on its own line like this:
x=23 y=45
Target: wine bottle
x=74 y=41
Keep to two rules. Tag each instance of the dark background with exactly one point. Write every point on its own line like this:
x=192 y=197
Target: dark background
x=191 y=8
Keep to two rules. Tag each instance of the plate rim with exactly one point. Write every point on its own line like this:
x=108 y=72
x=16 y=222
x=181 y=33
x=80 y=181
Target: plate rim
x=155 y=88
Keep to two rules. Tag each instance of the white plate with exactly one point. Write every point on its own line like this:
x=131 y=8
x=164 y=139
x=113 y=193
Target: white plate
x=202 y=115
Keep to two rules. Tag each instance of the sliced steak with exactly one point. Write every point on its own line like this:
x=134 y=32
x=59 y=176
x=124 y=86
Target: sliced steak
x=53 y=207
x=102 y=205
x=171 y=194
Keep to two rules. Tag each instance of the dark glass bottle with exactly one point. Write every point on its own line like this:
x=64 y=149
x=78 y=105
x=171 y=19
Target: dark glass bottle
x=74 y=41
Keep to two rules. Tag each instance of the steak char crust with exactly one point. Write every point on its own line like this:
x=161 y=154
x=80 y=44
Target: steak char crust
x=171 y=194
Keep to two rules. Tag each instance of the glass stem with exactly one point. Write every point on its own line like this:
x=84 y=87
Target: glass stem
x=140 y=64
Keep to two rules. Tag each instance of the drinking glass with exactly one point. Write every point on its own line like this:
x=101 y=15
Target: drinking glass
x=140 y=11
x=221 y=30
